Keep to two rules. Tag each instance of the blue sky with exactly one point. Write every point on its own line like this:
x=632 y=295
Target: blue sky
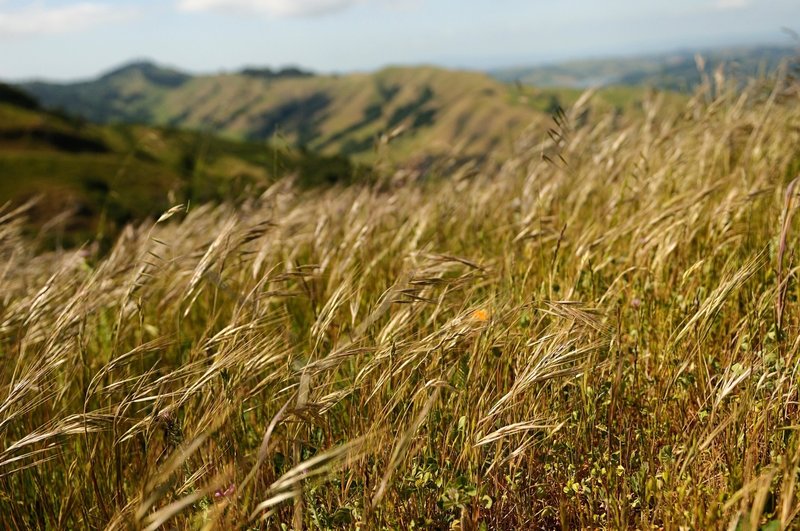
x=68 y=39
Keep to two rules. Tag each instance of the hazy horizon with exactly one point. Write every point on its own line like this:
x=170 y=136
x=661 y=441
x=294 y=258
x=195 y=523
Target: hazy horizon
x=65 y=40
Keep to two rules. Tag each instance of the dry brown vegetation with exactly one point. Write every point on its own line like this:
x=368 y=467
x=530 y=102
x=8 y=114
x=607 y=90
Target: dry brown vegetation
x=601 y=333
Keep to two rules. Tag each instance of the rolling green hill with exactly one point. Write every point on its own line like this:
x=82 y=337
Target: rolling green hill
x=104 y=176
x=423 y=110
x=674 y=71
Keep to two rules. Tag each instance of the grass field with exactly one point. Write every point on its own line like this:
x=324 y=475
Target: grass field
x=600 y=333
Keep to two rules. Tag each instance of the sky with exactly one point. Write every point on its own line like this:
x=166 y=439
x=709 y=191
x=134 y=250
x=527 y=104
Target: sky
x=69 y=39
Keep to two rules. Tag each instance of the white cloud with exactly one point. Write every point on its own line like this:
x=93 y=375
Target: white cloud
x=731 y=4
x=41 y=20
x=284 y=8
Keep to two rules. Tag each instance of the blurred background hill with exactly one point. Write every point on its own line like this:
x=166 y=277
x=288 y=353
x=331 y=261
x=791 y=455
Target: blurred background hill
x=88 y=179
x=124 y=145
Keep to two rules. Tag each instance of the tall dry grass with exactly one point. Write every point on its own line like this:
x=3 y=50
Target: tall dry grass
x=601 y=333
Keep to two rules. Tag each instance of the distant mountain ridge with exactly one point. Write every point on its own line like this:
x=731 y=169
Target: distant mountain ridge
x=671 y=71
x=282 y=73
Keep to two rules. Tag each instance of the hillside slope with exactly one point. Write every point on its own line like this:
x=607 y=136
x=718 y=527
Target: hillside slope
x=424 y=110
x=108 y=175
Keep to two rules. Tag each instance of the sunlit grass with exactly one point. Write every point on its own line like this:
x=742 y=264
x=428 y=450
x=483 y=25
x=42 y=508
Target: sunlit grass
x=587 y=336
